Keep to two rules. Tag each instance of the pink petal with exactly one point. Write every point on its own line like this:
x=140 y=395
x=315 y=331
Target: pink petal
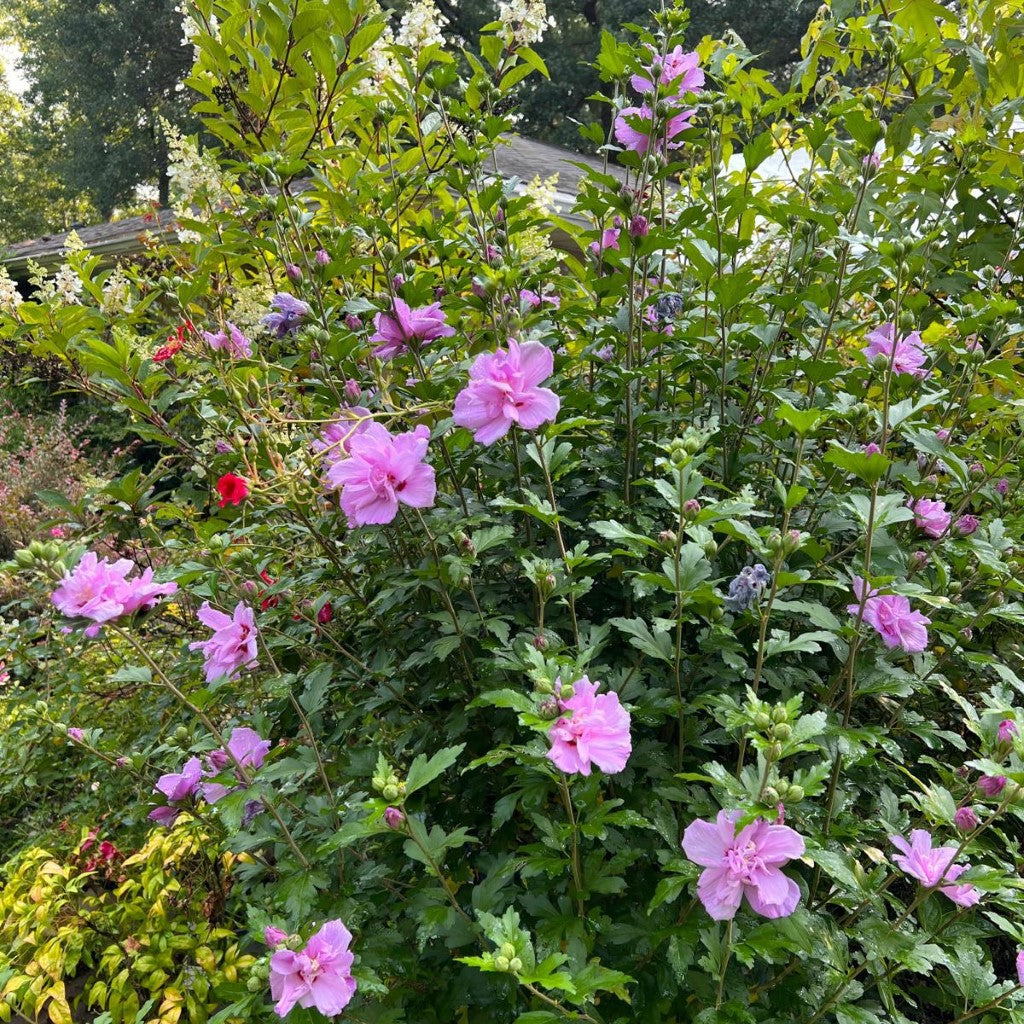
x=702 y=843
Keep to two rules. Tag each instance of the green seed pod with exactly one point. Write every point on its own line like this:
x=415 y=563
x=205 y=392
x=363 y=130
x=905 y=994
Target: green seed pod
x=796 y=794
x=502 y=963
x=515 y=965
x=762 y=721
x=378 y=783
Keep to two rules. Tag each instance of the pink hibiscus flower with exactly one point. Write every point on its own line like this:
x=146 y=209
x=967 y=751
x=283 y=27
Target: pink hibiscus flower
x=233 y=644
x=232 y=341
x=930 y=866
x=319 y=975
x=382 y=471
x=396 y=329
x=597 y=733
x=177 y=786
x=680 y=73
x=336 y=438
x=931 y=516
x=907 y=354
x=635 y=128
x=504 y=389
x=747 y=863
x=892 y=617
x=101 y=590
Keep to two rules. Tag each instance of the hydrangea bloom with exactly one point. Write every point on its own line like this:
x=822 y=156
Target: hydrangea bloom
x=396 y=329
x=232 y=341
x=100 y=590
x=504 y=389
x=233 y=644
x=289 y=314
x=932 y=865
x=597 y=733
x=907 y=353
x=931 y=516
x=634 y=129
x=319 y=975
x=381 y=471
x=680 y=73
x=891 y=615
x=747 y=863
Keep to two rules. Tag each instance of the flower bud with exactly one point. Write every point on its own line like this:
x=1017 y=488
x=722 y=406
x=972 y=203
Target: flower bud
x=390 y=792
x=917 y=560
x=548 y=709
x=501 y=962
x=783 y=732
x=1007 y=730
x=540 y=642
x=796 y=794
x=515 y=965
x=668 y=538
x=691 y=509
x=393 y=817
x=762 y=721
x=780 y=714
x=294 y=272
x=965 y=819
x=566 y=691
x=378 y=783
x=775 y=751
x=322 y=257
x=507 y=950
x=992 y=785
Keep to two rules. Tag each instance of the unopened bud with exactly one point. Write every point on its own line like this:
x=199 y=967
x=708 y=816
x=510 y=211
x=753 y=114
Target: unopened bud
x=540 y=642
x=691 y=509
x=780 y=714
x=668 y=538
x=783 y=731
x=515 y=965
x=501 y=962
x=762 y=721
x=796 y=794
x=507 y=950
x=390 y=792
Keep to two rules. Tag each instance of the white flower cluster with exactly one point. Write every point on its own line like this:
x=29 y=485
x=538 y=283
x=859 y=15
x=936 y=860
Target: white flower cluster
x=381 y=63
x=421 y=26
x=249 y=304
x=524 y=21
x=196 y=181
x=10 y=298
x=117 y=295
x=190 y=28
x=542 y=193
x=67 y=285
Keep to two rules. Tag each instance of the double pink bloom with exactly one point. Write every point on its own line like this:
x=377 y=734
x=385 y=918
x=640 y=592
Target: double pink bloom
x=906 y=354
x=100 y=590
x=892 y=617
x=597 y=733
x=667 y=79
x=503 y=389
x=745 y=863
x=233 y=644
x=319 y=975
x=382 y=471
x=931 y=517
x=232 y=341
x=932 y=866
x=396 y=329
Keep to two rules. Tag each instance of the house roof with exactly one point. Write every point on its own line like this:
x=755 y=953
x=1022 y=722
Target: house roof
x=520 y=158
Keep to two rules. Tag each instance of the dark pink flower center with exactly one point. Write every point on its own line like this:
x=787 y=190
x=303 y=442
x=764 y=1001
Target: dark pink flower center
x=743 y=860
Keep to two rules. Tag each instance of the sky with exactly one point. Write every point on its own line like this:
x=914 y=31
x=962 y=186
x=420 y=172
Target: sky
x=8 y=58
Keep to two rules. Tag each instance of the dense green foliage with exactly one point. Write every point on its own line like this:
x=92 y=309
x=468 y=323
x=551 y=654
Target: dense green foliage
x=718 y=414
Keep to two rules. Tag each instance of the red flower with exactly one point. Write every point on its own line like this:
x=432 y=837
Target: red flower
x=326 y=613
x=267 y=602
x=174 y=344
x=233 y=490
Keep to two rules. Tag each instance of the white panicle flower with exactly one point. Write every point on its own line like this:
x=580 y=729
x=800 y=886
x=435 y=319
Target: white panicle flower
x=381 y=63
x=10 y=297
x=542 y=193
x=117 y=296
x=249 y=306
x=196 y=182
x=421 y=26
x=67 y=285
x=524 y=21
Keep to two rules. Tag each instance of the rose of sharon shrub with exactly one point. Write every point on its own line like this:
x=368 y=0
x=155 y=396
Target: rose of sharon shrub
x=775 y=360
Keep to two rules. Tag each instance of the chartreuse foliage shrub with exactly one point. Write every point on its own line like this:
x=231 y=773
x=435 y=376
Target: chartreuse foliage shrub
x=143 y=934
x=628 y=632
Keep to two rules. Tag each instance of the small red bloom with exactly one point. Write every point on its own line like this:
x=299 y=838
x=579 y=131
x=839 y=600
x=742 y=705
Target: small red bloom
x=326 y=613
x=174 y=344
x=233 y=490
x=267 y=602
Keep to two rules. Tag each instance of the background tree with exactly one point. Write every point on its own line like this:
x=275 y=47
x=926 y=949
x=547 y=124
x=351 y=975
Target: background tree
x=101 y=76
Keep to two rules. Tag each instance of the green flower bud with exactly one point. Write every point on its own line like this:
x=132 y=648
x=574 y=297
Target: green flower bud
x=762 y=721
x=181 y=735
x=507 y=950
x=780 y=714
x=783 y=731
x=775 y=751
x=40 y=707
x=378 y=783
x=502 y=963
x=24 y=558
x=390 y=793
x=515 y=965
x=771 y=795
x=254 y=984
x=796 y=794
